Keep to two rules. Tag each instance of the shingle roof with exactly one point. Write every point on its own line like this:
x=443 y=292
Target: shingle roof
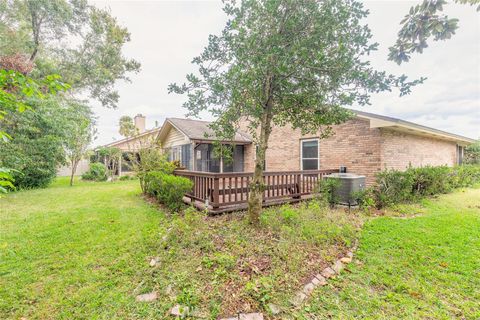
x=413 y=126
x=196 y=130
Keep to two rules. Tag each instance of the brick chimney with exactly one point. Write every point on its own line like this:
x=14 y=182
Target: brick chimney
x=139 y=121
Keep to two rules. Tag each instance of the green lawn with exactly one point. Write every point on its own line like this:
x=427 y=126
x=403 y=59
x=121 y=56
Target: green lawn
x=426 y=266
x=83 y=253
x=75 y=252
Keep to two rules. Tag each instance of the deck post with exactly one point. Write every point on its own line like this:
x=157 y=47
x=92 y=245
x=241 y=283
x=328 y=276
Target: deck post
x=298 y=193
x=216 y=187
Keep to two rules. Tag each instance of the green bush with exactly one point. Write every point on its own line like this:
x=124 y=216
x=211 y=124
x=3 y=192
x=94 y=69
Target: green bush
x=96 y=172
x=150 y=159
x=428 y=181
x=167 y=188
x=393 y=187
x=326 y=190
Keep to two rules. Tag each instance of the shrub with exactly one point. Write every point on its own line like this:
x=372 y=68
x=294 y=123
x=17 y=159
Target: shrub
x=96 y=172
x=431 y=180
x=167 y=188
x=148 y=160
x=37 y=149
x=394 y=186
x=472 y=153
x=366 y=199
x=326 y=190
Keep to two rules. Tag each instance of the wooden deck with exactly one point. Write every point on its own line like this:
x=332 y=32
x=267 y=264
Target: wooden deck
x=222 y=192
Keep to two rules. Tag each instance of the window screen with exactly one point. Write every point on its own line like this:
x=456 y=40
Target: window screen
x=310 y=155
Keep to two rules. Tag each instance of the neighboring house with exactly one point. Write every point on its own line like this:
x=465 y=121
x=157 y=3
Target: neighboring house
x=66 y=171
x=130 y=145
x=366 y=144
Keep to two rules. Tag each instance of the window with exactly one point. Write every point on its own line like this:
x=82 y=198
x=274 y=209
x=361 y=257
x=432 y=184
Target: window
x=460 y=151
x=309 y=154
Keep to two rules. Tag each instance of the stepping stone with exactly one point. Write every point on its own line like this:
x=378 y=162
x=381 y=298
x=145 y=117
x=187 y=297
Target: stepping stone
x=180 y=311
x=321 y=280
x=147 y=297
x=274 y=309
x=250 y=316
x=337 y=267
x=153 y=262
x=298 y=299
x=346 y=260
x=328 y=273
x=308 y=288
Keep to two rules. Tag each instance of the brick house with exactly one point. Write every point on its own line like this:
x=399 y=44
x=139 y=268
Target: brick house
x=366 y=144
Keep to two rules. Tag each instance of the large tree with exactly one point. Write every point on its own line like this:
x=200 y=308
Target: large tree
x=280 y=62
x=423 y=22
x=71 y=38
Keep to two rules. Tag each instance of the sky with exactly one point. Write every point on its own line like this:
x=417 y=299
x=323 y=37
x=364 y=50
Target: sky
x=166 y=35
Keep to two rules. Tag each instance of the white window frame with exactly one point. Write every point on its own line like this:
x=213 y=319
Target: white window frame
x=301 y=152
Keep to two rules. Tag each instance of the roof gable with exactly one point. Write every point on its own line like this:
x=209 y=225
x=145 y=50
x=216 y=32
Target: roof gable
x=197 y=130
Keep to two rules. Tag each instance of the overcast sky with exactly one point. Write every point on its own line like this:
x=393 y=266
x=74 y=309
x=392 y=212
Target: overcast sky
x=166 y=35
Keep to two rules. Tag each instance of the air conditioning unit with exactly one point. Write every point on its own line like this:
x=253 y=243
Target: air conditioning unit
x=349 y=183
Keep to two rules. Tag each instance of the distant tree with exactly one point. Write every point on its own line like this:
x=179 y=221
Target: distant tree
x=111 y=157
x=126 y=126
x=92 y=62
x=79 y=134
x=472 y=153
x=285 y=62
x=423 y=22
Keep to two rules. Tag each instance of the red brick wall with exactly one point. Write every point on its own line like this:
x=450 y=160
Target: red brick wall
x=400 y=149
x=354 y=145
x=363 y=150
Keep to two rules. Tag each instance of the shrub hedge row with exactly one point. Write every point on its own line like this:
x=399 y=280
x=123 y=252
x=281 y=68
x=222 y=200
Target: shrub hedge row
x=167 y=188
x=393 y=186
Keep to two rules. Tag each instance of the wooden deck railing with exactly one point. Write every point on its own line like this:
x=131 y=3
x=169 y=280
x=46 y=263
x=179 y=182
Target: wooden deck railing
x=219 y=192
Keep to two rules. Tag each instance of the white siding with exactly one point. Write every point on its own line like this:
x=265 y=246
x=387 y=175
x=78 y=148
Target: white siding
x=175 y=138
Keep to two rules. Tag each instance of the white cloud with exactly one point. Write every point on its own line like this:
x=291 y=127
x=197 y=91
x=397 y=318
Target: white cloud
x=167 y=35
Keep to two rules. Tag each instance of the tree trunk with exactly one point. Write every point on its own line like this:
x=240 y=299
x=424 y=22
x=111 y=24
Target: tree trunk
x=257 y=187
x=74 y=168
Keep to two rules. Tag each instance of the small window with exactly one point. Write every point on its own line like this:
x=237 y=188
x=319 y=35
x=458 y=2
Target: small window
x=309 y=154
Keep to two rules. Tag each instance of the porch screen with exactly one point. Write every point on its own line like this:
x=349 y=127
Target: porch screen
x=309 y=152
x=181 y=153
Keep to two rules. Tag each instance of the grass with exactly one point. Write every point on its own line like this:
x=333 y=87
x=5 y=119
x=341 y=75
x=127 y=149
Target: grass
x=426 y=266
x=84 y=251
